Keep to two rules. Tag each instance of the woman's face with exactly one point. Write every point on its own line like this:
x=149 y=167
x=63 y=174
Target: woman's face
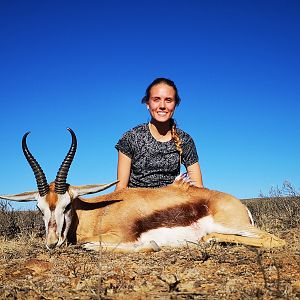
x=161 y=103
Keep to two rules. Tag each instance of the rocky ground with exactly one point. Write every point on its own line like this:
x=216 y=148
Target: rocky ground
x=213 y=271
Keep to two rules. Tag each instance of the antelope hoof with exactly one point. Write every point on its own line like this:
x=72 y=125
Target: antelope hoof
x=154 y=246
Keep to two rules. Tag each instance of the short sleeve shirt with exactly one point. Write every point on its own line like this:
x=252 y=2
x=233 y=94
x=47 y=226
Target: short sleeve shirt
x=154 y=163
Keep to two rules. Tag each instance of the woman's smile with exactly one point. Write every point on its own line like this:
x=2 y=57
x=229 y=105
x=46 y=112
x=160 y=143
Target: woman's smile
x=161 y=102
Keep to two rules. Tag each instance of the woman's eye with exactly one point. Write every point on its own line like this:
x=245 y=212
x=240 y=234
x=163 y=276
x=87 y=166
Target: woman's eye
x=155 y=99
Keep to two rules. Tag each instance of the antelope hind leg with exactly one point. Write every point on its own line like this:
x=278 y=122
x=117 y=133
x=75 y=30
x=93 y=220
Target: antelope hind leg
x=264 y=239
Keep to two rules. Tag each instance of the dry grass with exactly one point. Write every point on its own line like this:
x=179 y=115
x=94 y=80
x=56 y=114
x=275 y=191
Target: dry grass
x=14 y=223
x=278 y=211
x=201 y=271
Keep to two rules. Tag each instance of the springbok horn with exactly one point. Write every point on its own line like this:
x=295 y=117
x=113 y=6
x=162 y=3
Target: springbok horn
x=61 y=177
x=40 y=177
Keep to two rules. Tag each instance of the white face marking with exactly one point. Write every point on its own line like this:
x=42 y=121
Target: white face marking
x=43 y=206
x=63 y=216
x=57 y=221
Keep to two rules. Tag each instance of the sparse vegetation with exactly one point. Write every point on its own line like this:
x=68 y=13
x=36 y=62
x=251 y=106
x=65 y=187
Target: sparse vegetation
x=204 y=271
x=278 y=211
x=14 y=223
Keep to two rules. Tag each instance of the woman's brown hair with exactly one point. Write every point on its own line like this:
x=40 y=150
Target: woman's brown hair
x=159 y=80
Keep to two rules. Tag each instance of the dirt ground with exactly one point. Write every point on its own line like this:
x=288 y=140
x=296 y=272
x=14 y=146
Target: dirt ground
x=212 y=271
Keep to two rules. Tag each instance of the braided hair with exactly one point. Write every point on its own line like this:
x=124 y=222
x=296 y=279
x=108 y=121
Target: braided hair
x=176 y=138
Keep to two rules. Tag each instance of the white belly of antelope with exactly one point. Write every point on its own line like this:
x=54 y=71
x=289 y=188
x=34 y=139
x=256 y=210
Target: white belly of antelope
x=177 y=236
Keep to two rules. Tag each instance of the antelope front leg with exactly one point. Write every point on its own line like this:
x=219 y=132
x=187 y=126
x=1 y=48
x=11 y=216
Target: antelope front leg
x=108 y=243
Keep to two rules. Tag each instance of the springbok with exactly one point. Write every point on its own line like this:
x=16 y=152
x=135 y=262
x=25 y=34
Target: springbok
x=137 y=219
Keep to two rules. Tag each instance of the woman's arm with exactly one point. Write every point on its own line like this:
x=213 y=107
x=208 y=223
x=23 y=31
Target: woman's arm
x=124 y=167
x=195 y=175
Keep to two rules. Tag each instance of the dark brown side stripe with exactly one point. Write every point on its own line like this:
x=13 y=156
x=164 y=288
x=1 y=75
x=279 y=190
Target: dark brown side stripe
x=180 y=215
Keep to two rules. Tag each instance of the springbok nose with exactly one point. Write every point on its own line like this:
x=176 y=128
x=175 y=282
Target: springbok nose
x=51 y=240
x=52 y=245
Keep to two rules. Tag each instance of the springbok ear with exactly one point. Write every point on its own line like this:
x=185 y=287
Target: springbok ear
x=76 y=191
x=23 y=197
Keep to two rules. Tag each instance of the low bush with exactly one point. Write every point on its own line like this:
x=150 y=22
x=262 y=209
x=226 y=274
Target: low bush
x=279 y=210
x=14 y=223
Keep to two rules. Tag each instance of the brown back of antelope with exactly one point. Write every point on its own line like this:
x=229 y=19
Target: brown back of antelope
x=146 y=219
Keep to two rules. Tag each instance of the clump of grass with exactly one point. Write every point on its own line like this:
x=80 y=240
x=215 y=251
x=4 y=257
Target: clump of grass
x=278 y=211
x=15 y=223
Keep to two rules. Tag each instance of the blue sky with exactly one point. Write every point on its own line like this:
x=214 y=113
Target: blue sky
x=86 y=65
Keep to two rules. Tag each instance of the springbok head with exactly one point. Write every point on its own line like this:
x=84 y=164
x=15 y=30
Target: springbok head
x=54 y=200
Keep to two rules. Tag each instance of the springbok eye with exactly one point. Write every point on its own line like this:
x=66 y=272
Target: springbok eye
x=39 y=210
x=67 y=208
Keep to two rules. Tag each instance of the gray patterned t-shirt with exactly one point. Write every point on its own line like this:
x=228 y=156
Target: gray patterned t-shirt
x=154 y=163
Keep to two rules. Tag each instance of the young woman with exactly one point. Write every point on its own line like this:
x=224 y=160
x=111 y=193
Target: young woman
x=150 y=155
